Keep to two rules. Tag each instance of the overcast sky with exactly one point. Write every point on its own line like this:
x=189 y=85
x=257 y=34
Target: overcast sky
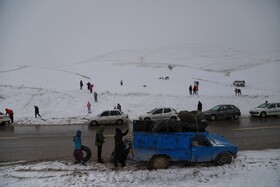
x=68 y=31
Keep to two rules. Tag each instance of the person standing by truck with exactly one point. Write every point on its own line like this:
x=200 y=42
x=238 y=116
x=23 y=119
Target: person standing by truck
x=78 y=153
x=119 y=147
x=99 y=141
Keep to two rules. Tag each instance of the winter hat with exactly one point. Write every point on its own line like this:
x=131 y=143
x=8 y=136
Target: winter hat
x=78 y=133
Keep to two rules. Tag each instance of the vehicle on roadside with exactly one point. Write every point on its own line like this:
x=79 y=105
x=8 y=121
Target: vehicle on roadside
x=159 y=148
x=109 y=117
x=4 y=119
x=226 y=111
x=266 y=109
x=159 y=114
x=239 y=83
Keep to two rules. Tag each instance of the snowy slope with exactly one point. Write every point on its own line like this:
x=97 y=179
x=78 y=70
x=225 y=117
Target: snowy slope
x=56 y=90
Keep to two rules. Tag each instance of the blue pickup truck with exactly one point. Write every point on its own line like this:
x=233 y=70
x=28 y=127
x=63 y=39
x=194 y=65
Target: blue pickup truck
x=161 y=148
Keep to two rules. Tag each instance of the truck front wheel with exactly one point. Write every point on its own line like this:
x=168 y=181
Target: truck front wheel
x=224 y=158
x=159 y=162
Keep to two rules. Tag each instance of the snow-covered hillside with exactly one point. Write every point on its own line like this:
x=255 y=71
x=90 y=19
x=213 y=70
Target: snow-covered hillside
x=56 y=90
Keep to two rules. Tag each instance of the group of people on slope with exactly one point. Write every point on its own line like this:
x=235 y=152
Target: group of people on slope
x=119 y=151
x=193 y=90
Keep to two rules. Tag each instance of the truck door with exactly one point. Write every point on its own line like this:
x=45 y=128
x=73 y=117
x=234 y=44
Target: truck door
x=202 y=151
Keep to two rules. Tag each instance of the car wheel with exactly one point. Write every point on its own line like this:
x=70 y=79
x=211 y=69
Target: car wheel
x=263 y=114
x=93 y=123
x=224 y=158
x=173 y=118
x=236 y=116
x=213 y=117
x=119 y=122
x=147 y=119
x=159 y=162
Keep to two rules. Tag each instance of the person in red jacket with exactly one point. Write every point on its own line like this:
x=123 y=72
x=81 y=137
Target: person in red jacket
x=11 y=114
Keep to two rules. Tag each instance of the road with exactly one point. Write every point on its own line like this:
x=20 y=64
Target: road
x=45 y=143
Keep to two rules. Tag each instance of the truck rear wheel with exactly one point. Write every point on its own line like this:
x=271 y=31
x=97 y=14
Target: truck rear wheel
x=159 y=162
x=224 y=158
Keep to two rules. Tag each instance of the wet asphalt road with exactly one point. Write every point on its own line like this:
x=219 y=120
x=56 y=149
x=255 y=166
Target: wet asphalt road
x=44 y=143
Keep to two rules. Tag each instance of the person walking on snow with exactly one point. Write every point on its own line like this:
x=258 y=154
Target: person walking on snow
x=81 y=84
x=190 y=89
x=37 y=111
x=95 y=96
x=119 y=107
x=99 y=141
x=10 y=112
x=89 y=107
x=78 y=153
x=199 y=106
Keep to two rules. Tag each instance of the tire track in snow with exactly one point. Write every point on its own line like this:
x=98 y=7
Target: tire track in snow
x=16 y=69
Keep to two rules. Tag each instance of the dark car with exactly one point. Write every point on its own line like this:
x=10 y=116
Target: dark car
x=222 y=112
x=239 y=83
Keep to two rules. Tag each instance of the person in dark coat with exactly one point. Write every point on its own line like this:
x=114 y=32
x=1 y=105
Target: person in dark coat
x=37 y=111
x=81 y=84
x=119 y=107
x=190 y=89
x=99 y=141
x=88 y=85
x=78 y=153
x=10 y=112
x=199 y=106
x=95 y=96
x=119 y=147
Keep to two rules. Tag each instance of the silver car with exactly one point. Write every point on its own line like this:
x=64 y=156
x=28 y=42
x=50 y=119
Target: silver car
x=109 y=117
x=159 y=114
x=4 y=119
x=266 y=109
x=222 y=112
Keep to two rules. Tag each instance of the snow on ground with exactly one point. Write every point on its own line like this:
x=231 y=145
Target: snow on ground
x=251 y=168
x=55 y=90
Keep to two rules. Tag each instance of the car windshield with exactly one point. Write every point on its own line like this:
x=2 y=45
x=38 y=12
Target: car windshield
x=152 y=111
x=264 y=105
x=215 y=107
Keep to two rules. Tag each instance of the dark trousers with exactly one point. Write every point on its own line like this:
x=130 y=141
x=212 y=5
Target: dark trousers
x=11 y=117
x=99 y=152
x=37 y=114
x=78 y=154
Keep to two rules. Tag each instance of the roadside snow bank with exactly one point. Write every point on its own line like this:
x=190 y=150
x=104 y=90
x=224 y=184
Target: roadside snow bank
x=251 y=168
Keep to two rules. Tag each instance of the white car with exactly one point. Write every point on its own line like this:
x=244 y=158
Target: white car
x=159 y=114
x=109 y=117
x=266 y=109
x=4 y=119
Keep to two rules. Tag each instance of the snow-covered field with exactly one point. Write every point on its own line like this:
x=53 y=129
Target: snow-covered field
x=55 y=90
x=251 y=168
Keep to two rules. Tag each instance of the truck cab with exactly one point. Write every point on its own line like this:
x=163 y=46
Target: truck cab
x=161 y=148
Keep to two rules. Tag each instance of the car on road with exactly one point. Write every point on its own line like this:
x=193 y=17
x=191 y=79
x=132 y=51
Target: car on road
x=222 y=112
x=160 y=114
x=109 y=117
x=4 y=119
x=266 y=109
x=239 y=83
